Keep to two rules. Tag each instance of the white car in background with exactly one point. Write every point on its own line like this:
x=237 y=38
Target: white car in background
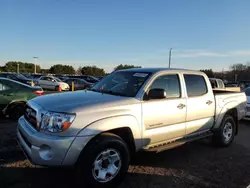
x=247 y=91
x=52 y=83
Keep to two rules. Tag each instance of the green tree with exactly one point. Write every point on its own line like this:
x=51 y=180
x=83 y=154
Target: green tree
x=121 y=66
x=45 y=71
x=12 y=66
x=62 y=69
x=2 y=68
x=240 y=71
x=79 y=71
x=93 y=71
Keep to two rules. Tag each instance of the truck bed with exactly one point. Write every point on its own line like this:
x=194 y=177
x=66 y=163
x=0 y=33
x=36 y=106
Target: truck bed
x=230 y=99
x=219 y=92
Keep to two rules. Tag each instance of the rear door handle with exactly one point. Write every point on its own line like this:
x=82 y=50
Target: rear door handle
x=181 y=106
x=209 y=102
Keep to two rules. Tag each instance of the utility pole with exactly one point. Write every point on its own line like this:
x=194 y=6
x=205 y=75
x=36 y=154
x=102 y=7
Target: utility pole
x=35 y=60
x=169 y=60
x=17 y=68
x=235 y=77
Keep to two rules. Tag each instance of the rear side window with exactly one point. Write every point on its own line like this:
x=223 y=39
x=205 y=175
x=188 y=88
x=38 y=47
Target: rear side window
x=220 y=83
x=195 y=84
x=170 y=83
x=3 y=86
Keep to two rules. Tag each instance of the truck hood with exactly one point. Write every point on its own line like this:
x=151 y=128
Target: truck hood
x=73 y=102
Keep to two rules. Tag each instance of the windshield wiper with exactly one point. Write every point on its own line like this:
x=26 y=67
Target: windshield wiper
x=95 y=90
x=108 y=92
x=113 y=93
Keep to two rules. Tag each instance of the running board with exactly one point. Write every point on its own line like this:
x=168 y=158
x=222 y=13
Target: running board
x=179 y=142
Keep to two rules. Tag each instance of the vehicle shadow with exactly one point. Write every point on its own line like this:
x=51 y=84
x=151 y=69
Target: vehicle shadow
x=196 y=164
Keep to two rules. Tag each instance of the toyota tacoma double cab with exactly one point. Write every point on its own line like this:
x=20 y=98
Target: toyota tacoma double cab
x=154 y=109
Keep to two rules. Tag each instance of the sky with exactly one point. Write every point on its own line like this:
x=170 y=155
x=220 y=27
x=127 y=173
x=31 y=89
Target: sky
x=203 y=34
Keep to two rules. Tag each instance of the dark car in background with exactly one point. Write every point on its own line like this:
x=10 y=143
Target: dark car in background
x=231 y=84
x=79 y=84
x=99 y=77
x=36 y=76
x=61 y=77
x=18 y=77
x=14 y=95
x=244 y=84
x=90 y=79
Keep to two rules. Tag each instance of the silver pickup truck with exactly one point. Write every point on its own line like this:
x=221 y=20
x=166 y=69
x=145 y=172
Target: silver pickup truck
x=98 y=130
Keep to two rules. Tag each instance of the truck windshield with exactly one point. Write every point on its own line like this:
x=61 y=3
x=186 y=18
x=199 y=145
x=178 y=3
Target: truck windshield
x=125 y=83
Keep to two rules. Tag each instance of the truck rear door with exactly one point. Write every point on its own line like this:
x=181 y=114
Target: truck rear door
x=200 y=104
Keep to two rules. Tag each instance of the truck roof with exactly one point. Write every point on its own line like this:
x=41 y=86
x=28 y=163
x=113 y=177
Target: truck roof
x=155 y=70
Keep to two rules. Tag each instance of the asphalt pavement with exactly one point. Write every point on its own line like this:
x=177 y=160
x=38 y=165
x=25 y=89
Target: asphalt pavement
x=197 y=164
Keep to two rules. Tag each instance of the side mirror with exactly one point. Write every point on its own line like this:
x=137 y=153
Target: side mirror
x=157 y=94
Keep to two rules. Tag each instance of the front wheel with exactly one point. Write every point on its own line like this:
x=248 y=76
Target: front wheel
x=225 y=135
x=104 y=162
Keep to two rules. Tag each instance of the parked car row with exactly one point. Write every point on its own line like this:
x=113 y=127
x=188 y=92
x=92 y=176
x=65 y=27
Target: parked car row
x=53 y=82
x=18 y=77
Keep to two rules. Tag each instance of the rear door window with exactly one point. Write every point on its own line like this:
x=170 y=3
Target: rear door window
x=195 y=85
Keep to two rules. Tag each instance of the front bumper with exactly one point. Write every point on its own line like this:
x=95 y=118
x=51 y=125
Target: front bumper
x=49 y=150
x=64 y=87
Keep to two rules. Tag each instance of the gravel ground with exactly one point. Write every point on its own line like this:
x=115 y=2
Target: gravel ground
x=197 y=164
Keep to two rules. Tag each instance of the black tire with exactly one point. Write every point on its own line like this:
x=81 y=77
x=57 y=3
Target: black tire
x=56 y=88
x=16 y=111
x=218 y=138
x=106 y=141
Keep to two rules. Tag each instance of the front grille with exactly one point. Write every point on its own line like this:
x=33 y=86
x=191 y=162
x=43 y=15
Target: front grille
x=30 y=116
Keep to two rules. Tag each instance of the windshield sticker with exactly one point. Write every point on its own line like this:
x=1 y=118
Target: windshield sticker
x=142 y=75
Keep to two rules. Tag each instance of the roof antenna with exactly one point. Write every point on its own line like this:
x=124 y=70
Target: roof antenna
x=169 y=60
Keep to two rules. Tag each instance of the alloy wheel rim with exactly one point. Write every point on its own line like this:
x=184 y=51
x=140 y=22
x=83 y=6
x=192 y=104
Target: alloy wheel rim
x=106 y=165
x=228 y=131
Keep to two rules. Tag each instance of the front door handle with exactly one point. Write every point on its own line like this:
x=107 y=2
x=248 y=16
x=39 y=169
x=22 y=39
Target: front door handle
x=209 y=102
x=181 y=106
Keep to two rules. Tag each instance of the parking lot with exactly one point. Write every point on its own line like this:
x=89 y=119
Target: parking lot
x=198 y=164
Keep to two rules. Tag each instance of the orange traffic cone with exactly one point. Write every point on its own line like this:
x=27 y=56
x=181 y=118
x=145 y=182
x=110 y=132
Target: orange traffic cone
x=59 y=89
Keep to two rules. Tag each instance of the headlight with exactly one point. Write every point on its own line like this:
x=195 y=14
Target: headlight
x=56 y=122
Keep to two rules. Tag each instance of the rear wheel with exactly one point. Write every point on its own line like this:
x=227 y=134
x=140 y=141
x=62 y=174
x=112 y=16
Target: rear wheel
x=225 y=135
x=104 y=162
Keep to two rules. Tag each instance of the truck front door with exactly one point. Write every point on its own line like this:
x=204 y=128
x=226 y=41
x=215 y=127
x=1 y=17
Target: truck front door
x=164 y=119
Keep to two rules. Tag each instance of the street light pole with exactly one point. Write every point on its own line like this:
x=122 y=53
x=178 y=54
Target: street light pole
x=169 y=60
x=17 y=68
x=35 y=59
